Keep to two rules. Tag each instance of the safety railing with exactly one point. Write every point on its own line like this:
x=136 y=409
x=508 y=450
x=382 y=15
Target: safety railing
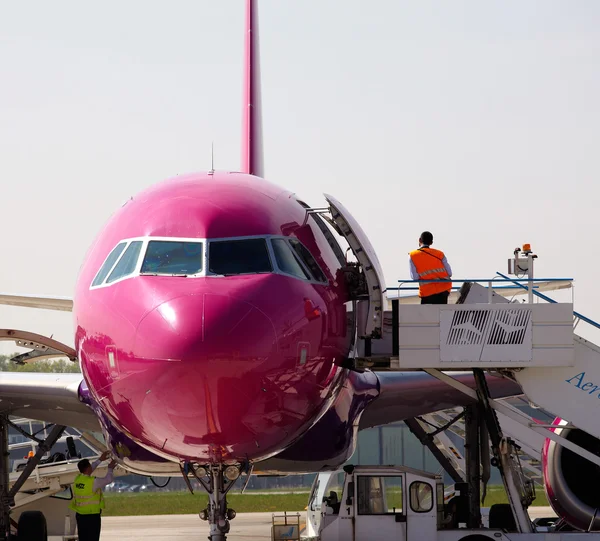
x=577 y=316
x=517 y=283
x=526 y=284
x=491 y=284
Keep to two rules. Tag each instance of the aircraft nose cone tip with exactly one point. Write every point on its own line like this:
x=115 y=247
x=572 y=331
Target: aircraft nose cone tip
x=206 y=401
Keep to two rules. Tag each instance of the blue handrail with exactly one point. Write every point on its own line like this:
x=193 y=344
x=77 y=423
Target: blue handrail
x=495 y=280
x=551 y=300
x=453 y=287
x=515 y=282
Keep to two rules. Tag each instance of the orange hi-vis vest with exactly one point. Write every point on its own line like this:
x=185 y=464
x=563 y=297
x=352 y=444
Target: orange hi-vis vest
x=428 y=262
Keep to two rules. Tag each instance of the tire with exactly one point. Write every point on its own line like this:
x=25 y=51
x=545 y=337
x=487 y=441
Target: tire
x=501 y=517
x=476 y=537
x=32 y=526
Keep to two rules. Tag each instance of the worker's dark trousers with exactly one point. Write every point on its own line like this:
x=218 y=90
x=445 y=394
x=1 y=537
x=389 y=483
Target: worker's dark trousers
x=438 y=298
x=88 y=527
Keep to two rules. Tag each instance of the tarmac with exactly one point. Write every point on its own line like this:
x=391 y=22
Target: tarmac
x=245 y=527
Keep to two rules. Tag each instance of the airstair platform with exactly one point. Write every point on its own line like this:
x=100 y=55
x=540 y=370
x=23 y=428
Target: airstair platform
x=464 y=336
x=534 y=343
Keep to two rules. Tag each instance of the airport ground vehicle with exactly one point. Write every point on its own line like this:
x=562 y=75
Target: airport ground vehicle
x=400 y=503
x=531 y=343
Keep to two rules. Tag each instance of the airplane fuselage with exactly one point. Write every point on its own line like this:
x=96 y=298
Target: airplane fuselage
x=213 y=366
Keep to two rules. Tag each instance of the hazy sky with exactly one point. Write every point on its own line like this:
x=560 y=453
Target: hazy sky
x=476 y=120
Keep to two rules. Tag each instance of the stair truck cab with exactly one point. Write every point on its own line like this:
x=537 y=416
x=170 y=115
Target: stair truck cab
x=397 y=503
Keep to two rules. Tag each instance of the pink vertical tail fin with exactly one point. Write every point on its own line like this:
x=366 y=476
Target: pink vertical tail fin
x=252 y=144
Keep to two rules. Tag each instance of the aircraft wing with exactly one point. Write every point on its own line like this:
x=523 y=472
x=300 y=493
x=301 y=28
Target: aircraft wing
x=64 y=304
x=53 y=398
x=403 y=395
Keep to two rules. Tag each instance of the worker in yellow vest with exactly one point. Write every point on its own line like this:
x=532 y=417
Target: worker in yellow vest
x=427 y=263
x=88 y=500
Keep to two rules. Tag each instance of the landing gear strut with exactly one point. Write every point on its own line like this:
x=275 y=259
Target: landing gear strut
x=217 y=481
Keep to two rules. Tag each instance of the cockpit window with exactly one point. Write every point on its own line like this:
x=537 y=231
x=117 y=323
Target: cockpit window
x=169 y=257
x=306 y=258
x=286 y=260
x=108 y=264
x=127 y=263
x=248 y=256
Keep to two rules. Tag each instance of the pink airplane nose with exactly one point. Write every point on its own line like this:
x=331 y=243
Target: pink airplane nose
x=207 y=356
x=205 y=326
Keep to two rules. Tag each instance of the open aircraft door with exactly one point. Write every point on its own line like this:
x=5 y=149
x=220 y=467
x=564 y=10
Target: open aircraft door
x=366 y=256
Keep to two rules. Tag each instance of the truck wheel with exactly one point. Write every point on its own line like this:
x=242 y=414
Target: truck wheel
x=475 y=537
x=32 y=526
x=501 y=516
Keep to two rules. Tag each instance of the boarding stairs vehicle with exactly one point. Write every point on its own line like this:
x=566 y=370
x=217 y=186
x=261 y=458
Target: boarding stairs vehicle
x=532 y=343
x=47 y=489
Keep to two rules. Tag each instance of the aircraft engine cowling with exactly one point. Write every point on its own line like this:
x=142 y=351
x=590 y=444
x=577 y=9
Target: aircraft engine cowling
x=572 y=482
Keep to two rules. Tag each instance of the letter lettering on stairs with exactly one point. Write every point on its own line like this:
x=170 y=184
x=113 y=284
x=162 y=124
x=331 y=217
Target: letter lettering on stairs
x=577 y=377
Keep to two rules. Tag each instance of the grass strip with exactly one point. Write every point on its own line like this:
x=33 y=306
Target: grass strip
x=181 y=503
x=496 y=494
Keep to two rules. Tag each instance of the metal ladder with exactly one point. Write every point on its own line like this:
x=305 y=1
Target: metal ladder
x=529 y=456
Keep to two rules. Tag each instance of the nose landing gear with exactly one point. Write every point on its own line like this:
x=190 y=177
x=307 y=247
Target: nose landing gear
x=217 y=480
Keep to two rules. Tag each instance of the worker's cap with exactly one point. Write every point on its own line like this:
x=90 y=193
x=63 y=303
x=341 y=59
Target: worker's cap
x=83 y=465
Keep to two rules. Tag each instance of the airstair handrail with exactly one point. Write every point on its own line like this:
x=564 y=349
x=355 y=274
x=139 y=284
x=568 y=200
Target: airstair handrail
x=515 y=283
x=551 y=300
x=494 y=279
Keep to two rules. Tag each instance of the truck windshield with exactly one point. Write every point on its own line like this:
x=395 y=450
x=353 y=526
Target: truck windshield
x=379 y=495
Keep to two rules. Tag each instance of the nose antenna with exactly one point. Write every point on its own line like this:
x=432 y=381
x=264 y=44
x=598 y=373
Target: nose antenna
x=212 y=158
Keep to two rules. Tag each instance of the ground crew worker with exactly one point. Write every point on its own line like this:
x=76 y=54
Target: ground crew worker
x=427 y=263
x=88 y=500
